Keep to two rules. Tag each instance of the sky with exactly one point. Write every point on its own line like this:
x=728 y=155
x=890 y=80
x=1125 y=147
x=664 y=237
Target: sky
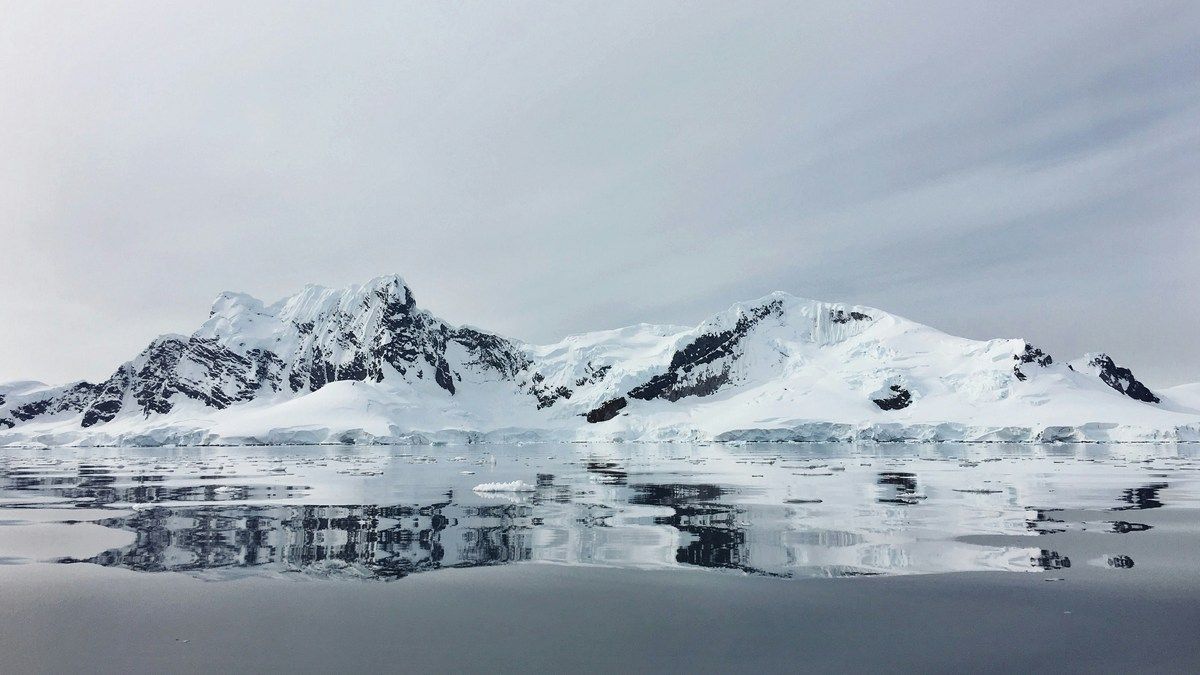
x=538 y=169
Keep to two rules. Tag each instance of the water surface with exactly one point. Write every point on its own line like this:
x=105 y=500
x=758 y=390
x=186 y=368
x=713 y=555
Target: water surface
x=777 y=510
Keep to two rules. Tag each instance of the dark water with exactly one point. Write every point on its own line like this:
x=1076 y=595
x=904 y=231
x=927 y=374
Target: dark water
x=771 y=510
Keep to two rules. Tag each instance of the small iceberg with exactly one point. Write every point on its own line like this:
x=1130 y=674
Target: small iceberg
x=513 y=486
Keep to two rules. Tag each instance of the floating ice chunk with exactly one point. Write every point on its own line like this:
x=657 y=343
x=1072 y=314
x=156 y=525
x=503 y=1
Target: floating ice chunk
x=512 y=486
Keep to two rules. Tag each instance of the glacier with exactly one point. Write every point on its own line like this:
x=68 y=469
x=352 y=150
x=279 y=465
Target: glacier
x=366 y=364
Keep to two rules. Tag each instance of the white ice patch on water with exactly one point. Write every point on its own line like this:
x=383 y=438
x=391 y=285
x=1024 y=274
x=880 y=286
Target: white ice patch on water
x=511 y=486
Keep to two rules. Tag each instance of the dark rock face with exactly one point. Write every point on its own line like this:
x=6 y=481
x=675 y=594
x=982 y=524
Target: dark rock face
x=592 y=374
x=1034 y=355
x=33 y=409
x=404 y=339
x=1122 y=379
x=545 y=395
x=607 y=410
x=1031 y=355
x=901 y=398
x=679 y=382
x=842 y=316
x=71 y=400
x=442 y=376
x=101 y=411
x=492 y=352
x=156 y=376
x=670 y=386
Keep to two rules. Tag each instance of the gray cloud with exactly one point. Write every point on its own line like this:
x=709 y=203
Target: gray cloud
x=992 y=169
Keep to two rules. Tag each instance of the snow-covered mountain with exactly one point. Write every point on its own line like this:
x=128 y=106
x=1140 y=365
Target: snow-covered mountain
x=366 y=364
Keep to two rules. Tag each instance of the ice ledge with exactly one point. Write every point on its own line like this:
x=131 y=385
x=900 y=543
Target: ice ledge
x=810 y=432
x=949 y=432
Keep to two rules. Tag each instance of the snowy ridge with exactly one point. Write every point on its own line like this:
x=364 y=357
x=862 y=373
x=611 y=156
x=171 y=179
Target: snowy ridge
x=365 y=364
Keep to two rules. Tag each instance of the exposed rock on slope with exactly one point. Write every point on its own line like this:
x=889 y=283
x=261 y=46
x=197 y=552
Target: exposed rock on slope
x=1121 y=379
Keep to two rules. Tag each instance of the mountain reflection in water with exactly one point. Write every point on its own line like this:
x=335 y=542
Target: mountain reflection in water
x=779 y=510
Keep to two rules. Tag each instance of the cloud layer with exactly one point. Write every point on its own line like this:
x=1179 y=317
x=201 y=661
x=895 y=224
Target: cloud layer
x=994 y=169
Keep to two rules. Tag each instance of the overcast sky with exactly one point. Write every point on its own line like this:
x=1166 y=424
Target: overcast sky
x=993 y=169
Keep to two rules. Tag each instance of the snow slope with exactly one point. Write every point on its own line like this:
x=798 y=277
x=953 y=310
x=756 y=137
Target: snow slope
x=365 y=364
x=1184 y=397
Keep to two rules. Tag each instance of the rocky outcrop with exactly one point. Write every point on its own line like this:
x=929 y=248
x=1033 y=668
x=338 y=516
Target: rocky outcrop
x=899 y=399
x=546 y=395
x=1118 y=378
x=607 y=410
x=686 y=376
x=1033 y=356
x=843 y=317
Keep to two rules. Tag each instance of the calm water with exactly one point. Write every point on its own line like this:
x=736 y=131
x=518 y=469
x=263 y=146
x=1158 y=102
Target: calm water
x=385 y=513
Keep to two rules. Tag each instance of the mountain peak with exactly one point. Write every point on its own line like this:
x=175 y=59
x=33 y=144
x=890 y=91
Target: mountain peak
x=386 y=281
x=229 y=302
x=387 y=286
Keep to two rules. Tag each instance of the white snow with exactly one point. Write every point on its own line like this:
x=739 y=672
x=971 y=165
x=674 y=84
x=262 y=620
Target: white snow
x=798 y=375
x=1185 y=397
